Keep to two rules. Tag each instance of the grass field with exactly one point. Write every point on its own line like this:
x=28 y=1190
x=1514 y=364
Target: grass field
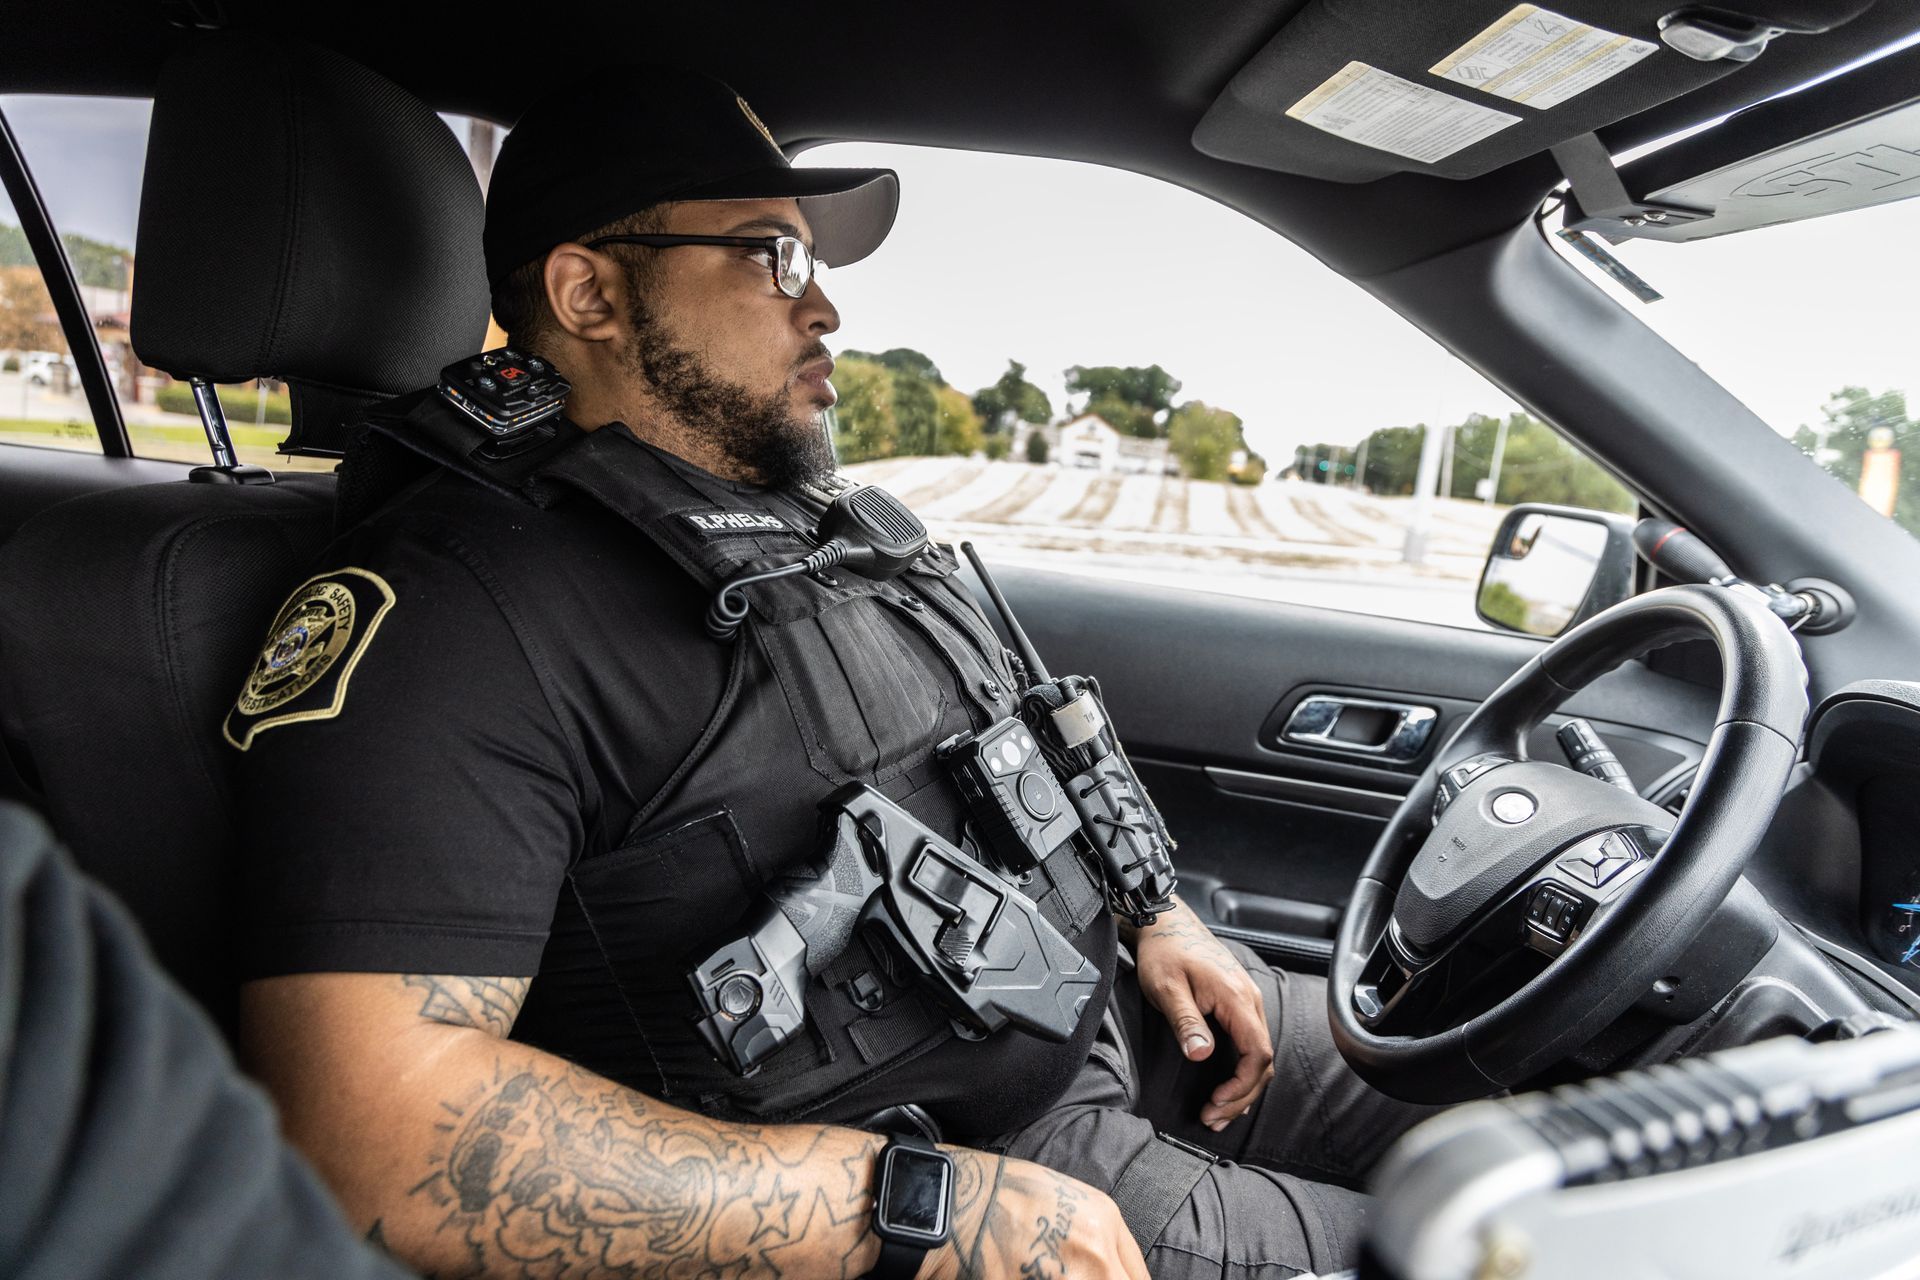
x=169 y=442
x=243 y=435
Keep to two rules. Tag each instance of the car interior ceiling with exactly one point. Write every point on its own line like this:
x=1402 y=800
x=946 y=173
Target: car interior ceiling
x=1192 y=94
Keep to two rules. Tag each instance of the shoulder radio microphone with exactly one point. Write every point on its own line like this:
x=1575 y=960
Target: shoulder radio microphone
x=864 y=530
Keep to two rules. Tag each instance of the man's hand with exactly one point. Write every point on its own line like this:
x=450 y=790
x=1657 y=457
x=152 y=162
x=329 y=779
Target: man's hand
x=1015 y=1219
x=1187 y=974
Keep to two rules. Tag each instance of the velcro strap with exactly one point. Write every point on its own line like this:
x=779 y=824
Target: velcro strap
x=1156 y=1183
x=900 y=1026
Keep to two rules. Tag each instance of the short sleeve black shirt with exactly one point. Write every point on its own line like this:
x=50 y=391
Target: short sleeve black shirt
x=536 y=679
x=427 y=825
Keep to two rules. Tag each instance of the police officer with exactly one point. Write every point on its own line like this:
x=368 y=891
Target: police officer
x=502 y=785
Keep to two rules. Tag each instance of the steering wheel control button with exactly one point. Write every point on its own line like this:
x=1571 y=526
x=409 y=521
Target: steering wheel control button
x=1514 y=807
x=1455 y=780
x=1554 y=916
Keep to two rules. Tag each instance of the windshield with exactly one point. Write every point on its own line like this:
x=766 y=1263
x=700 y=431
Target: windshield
x=1815 y=325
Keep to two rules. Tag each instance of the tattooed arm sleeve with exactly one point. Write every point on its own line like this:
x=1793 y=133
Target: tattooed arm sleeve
x=469 y=1155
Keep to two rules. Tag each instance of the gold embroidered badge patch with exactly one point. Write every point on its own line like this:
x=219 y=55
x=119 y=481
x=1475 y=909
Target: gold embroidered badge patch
x=310 y=652
x=755 y=120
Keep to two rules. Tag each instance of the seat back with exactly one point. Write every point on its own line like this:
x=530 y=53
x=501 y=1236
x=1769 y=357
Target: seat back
x=352 y=269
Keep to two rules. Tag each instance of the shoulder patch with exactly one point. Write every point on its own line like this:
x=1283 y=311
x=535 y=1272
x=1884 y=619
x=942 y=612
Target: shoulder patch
x=310 y=652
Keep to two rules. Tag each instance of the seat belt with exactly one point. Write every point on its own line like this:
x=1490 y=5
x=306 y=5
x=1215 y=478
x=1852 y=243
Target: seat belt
x=1156 y=1182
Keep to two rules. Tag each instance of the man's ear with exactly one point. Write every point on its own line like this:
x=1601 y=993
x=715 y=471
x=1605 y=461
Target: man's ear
x=587 y=292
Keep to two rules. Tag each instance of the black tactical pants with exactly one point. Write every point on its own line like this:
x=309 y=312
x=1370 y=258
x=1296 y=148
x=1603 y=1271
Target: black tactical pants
x=1281 y=1201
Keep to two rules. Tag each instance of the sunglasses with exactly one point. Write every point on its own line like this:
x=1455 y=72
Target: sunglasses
x=793 y=264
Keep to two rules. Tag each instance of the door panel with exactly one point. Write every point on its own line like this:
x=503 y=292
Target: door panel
x=1273 y=832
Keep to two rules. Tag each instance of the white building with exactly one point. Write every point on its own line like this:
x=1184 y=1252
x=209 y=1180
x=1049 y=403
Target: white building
x=1090 y=441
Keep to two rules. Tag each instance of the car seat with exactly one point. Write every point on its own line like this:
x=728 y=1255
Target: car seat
x=300 y=218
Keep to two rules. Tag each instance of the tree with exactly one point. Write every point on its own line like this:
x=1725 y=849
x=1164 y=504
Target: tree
x=1149 y=390
x=1541 y=465
x=1036 y=448
x=1127 y=418
x=1840 y=442
x=1538 y=464
x=904 y=360
x=14 y=249
x=956 y=425
x=27 y=319
x=916 y=411
x=864 y=425
x=96 y=262
x=1011 y=399
x=1204 y=439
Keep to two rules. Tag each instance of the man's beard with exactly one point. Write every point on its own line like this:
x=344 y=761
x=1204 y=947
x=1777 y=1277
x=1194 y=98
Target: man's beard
x=759 y=434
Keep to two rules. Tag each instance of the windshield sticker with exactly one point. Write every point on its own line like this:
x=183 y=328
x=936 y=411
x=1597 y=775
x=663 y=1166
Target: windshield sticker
x=1378 y=109
x=1540 y=58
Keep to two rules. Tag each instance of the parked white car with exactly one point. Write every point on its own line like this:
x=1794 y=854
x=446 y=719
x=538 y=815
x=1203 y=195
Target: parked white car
x=39 y=367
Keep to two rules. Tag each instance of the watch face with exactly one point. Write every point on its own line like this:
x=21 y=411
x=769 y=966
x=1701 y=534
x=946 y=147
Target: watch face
x=914 y=1199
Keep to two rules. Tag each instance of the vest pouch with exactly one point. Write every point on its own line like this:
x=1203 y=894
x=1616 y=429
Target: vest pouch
x=935 y=576
x=655 y=907
x=866 y=704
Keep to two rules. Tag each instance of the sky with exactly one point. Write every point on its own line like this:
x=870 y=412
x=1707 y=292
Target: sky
x=1056 y=263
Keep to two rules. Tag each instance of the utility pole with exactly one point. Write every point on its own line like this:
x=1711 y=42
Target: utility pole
x=1446 y=462
x=1414 y=549
x=1360 y=464
x=480 y=149
x=1499 y=455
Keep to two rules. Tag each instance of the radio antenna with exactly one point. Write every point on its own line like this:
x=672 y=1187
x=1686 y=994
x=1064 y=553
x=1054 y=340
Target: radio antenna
x=1023 y=646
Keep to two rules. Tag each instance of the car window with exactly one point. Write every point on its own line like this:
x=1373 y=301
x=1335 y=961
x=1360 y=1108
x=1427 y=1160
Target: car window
x=1812 y=325
x=40 y=398
x=1093 y=371
x=87 y=156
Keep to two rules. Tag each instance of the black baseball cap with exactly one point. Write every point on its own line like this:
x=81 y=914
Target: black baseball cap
x=639 y=136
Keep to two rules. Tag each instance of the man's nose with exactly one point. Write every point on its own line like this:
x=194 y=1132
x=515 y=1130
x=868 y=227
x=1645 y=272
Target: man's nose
x=814 y=312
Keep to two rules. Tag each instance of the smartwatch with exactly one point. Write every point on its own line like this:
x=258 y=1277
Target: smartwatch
x=912 y=1204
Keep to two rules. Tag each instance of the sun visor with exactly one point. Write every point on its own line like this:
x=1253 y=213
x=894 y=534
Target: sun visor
x=1849 y=143
x=1354 y=90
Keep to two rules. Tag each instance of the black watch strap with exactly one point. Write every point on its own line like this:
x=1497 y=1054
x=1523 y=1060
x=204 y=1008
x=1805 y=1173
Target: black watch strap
x=898 y=1261
x=903 y=1249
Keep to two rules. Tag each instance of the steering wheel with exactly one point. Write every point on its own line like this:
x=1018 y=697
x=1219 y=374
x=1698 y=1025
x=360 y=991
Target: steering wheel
x=1513 y=908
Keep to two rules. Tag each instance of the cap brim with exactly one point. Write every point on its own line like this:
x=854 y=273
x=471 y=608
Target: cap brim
x=849 y=210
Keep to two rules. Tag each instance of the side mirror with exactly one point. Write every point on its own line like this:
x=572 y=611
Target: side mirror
x=1553 y=567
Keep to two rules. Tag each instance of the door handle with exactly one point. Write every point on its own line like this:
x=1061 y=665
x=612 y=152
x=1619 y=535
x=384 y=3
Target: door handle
x=1395 y=731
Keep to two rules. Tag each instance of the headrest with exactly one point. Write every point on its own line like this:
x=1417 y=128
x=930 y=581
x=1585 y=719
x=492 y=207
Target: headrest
x=303 y=218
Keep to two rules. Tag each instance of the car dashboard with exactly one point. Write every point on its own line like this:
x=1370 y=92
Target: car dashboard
x=1840 y=860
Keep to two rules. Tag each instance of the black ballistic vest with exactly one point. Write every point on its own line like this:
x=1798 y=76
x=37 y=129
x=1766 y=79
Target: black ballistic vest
x=834 y=679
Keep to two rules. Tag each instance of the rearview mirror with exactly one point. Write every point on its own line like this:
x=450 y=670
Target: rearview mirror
x=1552 y=567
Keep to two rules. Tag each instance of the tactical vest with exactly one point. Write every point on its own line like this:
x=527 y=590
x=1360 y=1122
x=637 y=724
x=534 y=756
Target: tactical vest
x=820 y=661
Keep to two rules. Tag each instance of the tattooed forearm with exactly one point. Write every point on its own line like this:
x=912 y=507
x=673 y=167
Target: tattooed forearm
x=1180 y=926
x=555 y=1172
x=485 y=1004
